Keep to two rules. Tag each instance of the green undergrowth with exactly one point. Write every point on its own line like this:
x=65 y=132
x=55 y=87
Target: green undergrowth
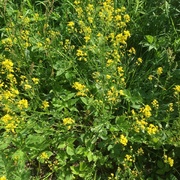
x=89 y=90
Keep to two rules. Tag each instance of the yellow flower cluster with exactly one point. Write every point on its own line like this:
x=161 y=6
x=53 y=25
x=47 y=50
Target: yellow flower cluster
x=159 y=71
x=7 y=64
x=45 y=104
x=168 y=160
x=177 y=89
x=68 y=121
x=123 y=140
x=171 y=109
x=10 y=122
x=152 y=129
x=146 y=111
x=44 y=156
x=128 y=158
x=139 y=61
x=144 y=126
x=82 y=90
x=23 y=104
x=155 y=104
x=81 y=55
x=140 y=151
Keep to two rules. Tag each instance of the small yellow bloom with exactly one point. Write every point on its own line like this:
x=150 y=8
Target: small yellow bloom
x=132 y=51
x=23 y=104
x=27 y=86
x=44 y=155
x=177 y=89
x=155 y=103
x=39 y=44
x=35 y=80
x=139 y=61
x=70 y=24
x=152 y=129
x=128 y=158
x=109 y=62
x=168 y=160
x=150 y=77
x=171 y=109
x=121 y=92
x=146 y=111
x=140 y=151
x=159 y=71
x=108 y=76
x=45 y=104
x=123 y=140
x=68 y=121
x=126 y=18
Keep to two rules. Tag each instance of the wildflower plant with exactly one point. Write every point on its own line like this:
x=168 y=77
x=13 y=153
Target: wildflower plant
x=79 y=99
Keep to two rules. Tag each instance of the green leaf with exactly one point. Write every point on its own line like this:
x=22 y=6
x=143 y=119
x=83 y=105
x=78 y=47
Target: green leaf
x=62 y=145
x=160 y=171
x=60 y=72
x=20 y=158
x=90 y=156
x=149 y=38
x=35 y=139
x=2 y=166
x=69 y=151
x=84 y=100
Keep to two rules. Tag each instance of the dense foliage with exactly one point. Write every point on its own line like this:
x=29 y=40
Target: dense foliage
x=89 y=90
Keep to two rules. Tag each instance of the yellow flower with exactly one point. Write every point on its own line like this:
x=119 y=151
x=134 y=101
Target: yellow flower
x=146 y=111
x=128 y=158
x=7 y=118
x=150 y=77
x=139 y=61
x=35 y=80
x=140 y=151
x=152 y=129
x=121 y=92
x=171 y=109
x=3 y=178
x=44 y=155
x=168 y=160
x=27 y=86
x=81 y=88
x=70 y=24
x=23 y=104
x=10 y=127
x=108 y=76
x=109 y=62
x=132 y=51
x=159 y=71
x=8 y=65
x=68 y=121
x=78 y=86
x=177 y=89
x=45 y=104
x=155 y=103
x=87 y=38
x=126 y=18
x=123 y=140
